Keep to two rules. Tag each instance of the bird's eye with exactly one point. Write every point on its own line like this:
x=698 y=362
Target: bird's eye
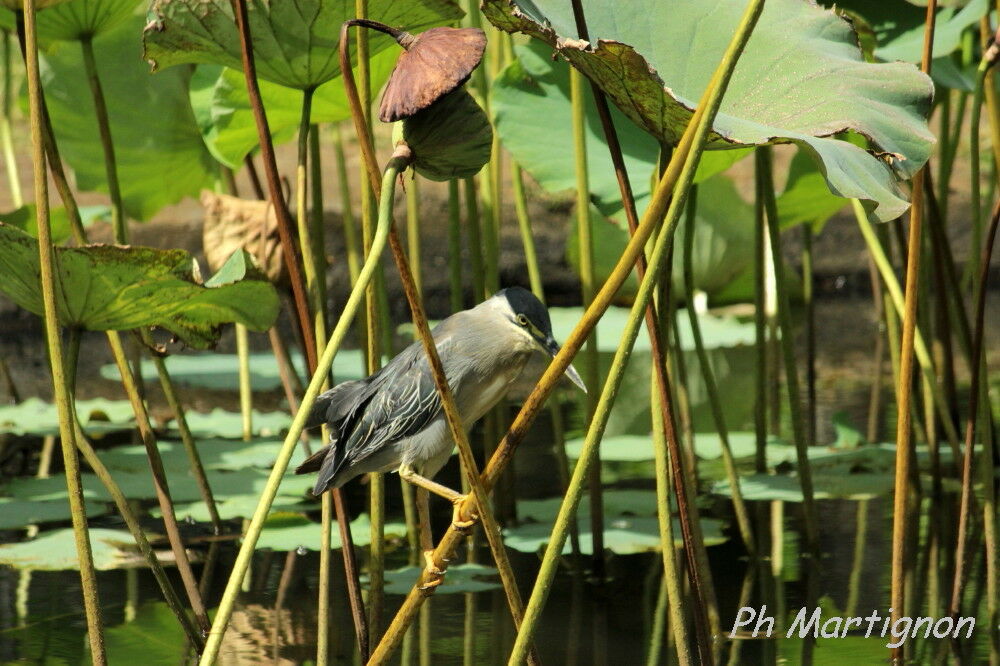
x=522 y=320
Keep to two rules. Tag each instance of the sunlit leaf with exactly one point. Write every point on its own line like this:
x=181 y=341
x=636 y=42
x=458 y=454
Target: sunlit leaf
x=292 y=531
x=159 y=152
x=789 y=489
x=19 y=513
x=536 y=86
x=294 y=41
x=466 y=577
x=654 y=61
x=56 y=551
x=107 y=287
x=34 y=416
x=221 y=371
x=69 y=21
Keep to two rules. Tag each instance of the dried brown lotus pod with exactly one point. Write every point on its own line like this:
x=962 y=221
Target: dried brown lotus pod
x=433 y=63
x=232 y=223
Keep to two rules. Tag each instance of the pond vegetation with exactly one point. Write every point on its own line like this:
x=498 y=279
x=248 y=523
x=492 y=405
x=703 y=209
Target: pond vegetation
x=695 y=151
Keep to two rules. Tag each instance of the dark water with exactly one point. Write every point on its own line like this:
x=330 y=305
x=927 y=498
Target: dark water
x=618 y=620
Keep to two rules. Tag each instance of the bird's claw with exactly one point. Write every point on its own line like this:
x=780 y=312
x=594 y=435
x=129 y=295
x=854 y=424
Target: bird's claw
x=459 y=520
x=435 y=576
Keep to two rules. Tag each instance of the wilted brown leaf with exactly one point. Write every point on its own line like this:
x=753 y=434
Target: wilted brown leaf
x=232 y=223
x=434 y=63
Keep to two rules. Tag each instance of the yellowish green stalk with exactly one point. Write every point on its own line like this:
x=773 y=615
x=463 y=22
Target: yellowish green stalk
x=63 y=399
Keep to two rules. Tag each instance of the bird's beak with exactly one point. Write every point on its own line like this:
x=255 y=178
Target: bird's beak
x=552 y=347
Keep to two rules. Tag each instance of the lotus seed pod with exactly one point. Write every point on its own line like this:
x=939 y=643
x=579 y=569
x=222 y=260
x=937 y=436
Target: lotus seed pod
x=450 y=139
x=433 y=64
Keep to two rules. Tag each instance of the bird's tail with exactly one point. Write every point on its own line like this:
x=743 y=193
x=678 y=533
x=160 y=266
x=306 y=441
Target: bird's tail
x=314 y=462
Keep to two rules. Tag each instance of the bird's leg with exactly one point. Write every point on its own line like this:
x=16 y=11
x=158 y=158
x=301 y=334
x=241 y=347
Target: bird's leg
x=458 y=519
x=434 y=574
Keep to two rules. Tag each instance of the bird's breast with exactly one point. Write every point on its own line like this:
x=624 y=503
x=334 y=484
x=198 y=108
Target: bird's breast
x=483 y=394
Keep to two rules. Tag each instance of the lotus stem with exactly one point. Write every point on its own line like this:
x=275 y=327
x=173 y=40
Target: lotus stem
x=63 y=398
x=715 y=403
x=284 y=218
x=159 y=479
x=975 y=394
x=524 y=226
x=455 y=245
x=692 y=139
x=118 y=220
x=7 y=143
x=413 y=232
x=246 y=389
x=479 y=499
x=312 y=251
x=323 y=605
x=284 y=455
x=761 y=393
x=897 y=297
x=904 y=432
x=475 y=244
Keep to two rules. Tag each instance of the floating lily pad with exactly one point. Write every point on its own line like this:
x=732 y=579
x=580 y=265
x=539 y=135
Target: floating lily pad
x=295 y=41
x=19 y=513
x=229 y=425
x=216 y=454
x=234 y=506
x=56 y=551
x=788 y=488
x=107 y=287
x=630 y=524
x=221 y=371
x=34 y=416
x=654 y=61
x=291 y=531
x=716 y=330
x=469 y=577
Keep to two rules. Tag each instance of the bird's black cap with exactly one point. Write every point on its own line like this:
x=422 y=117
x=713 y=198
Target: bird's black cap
x=524 y=302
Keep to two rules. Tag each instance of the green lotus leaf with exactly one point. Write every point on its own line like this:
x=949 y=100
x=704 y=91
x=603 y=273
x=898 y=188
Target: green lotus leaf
x=34 y=416
x=806 y=199
x=534 y=86
x=15 y=514
x=295 y=42
x=452 y=138
x=107 y=287
x=898 y=26
x=630 y=525
x=655 y=60
x=220 y=102
x=229 y=425
x=788 y=488
x=159 y=152
x=466 y=577
x=18 y=5
x=221 y=371
x=717 y=331
x=292 y=531
x=79 y=19
x=56 y=551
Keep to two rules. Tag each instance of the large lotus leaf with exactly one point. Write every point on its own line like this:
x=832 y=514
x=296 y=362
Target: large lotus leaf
x=654 y=61
x=898 y=26
x=723 y=241
x=56 y=551
x=220 y=102
x=294 y=41
x=34 y=416
x=221 y=371
x=229 y=425
x=293 y=531
x=107 y=287
x=67 y=21
x=534 y=86
x=19 y=513
x=160 y=155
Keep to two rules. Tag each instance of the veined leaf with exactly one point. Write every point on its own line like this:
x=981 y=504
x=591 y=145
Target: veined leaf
x=801 y=79
x=107 y=287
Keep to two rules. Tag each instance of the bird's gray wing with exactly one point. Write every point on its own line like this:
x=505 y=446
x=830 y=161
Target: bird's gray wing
x=397 y=402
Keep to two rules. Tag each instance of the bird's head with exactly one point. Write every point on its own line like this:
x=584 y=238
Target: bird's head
x=529 y=316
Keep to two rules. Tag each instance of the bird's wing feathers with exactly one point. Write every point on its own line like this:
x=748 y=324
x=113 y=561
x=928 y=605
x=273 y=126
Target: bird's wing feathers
x=396 y=402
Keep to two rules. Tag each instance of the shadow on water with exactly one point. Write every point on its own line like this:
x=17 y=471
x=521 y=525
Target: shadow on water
x=621 y=620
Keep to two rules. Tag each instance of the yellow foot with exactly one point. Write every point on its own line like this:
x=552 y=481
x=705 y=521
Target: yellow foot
x=460 y=521
x=434 y=575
